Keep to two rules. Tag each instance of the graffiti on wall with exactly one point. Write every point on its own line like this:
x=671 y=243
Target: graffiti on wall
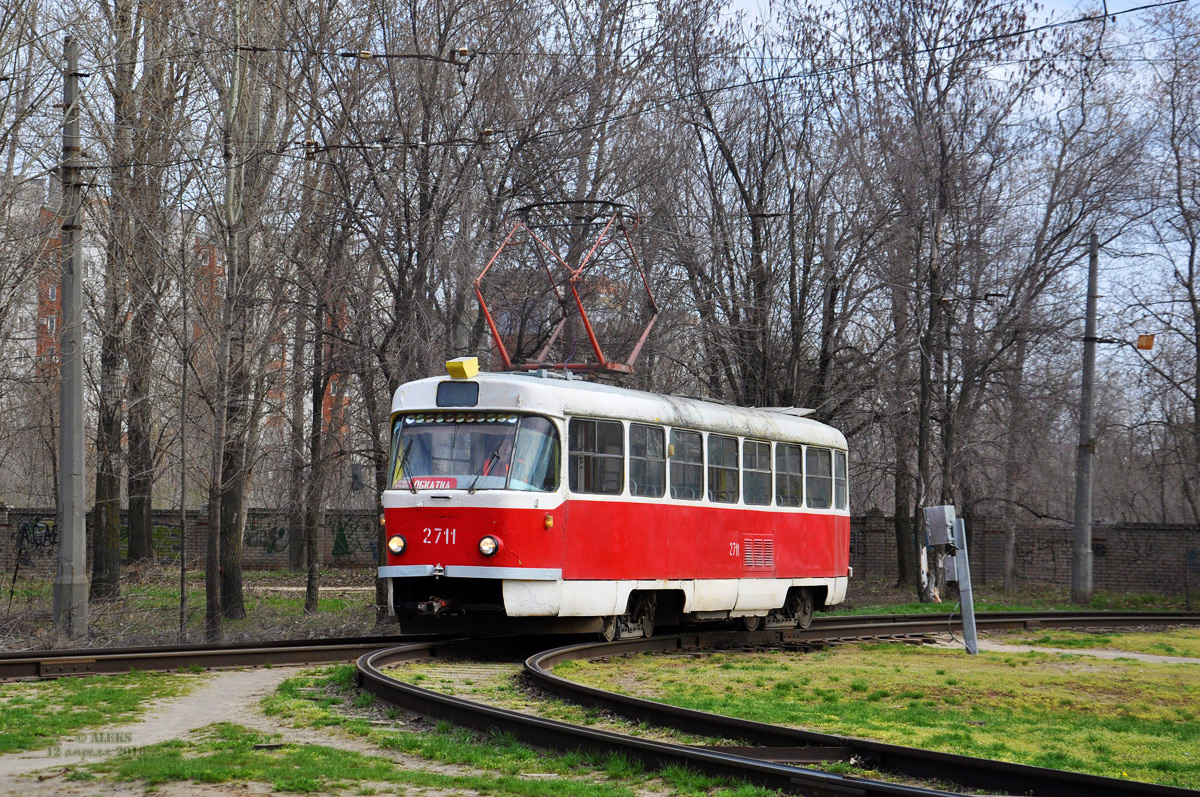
x=35 y=537
x=267 y=533
x=1042 y=558
x=165 y=538
x=858 y=545
x=353 y=537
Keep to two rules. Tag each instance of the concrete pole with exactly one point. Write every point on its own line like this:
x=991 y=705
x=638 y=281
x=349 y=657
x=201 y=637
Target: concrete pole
x=70 y=580
x=1081 y=549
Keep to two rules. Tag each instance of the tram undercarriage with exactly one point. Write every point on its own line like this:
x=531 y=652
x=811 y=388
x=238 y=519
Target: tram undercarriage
x=438 y=605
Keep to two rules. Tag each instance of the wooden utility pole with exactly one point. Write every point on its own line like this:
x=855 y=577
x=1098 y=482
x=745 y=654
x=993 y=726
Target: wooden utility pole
x=70 y=579
x=1081 y=549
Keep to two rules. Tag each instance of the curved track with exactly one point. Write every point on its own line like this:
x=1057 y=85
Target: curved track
x=41 y=664
x=760 y=763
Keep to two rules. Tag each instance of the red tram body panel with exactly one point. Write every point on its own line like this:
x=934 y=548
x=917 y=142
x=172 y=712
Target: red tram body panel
x=539 y=496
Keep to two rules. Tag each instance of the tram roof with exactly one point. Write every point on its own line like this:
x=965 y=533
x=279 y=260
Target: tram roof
x=554 y=395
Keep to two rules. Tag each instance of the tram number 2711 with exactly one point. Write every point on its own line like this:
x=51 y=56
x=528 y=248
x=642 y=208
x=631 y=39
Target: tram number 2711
x=735 y=549
x=437 y=536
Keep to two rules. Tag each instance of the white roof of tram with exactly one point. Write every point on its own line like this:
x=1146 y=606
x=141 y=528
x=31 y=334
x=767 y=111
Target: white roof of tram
x=553 y=395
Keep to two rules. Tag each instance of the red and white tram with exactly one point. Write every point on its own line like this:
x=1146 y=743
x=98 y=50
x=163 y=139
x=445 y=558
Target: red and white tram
x=536 y=501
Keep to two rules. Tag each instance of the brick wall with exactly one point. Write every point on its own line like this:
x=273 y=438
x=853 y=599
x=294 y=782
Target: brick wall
x=1126 y=557
x=347 y=539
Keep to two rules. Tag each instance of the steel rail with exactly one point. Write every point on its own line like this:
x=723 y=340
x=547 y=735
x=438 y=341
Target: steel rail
x=565 y=736
x=974 y=773
x=43 y=664
x=1027 y=620
x=37 y=664
x=760 y=764
x=850 y=627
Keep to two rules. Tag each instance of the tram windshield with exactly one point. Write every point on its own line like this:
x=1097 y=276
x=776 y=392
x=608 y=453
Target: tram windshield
x=474 y=451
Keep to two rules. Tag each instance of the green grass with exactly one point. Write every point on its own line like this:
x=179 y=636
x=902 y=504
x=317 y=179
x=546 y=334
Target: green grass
x=228 y=754
x=497 y=763
x=502 y=689
x=1175 y=642
x=1118 y=718
x=36 y=715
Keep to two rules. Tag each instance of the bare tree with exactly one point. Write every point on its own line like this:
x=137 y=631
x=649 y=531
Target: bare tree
x=1172 y=308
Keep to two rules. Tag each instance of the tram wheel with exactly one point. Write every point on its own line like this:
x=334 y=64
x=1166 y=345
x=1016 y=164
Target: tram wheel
x=644 y=614
x=608 y=628
x=750 y=622
x=804 y=608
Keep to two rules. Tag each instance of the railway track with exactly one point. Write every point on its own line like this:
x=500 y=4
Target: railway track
x=40 y=664
x=44 y=664
x=772 y=756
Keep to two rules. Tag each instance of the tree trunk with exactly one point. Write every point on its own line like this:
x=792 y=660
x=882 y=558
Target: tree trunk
x=140 y=477
x=140 y=480
x=233 y=476
x=233 y=526
x=928 y=591
x=929 y=353
x=906 y=548
x=378 y=425
x=823 y=385
x=297 y=558
x=106 y=534
x=316 y=470
x=106 y=543
x=106 y=556
x=212 y=551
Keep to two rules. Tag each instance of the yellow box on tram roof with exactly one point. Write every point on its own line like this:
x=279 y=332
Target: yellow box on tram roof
x=463 y=367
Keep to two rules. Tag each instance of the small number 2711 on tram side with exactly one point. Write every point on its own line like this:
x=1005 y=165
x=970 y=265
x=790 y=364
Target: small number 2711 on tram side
x=537 y=502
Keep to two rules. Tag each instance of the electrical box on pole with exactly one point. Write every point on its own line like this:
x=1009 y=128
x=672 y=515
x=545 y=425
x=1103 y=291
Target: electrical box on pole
x=939 y=520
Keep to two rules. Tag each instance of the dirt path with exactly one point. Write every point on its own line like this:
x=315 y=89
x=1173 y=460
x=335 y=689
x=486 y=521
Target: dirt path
x=1100 y=653
x=230 y=696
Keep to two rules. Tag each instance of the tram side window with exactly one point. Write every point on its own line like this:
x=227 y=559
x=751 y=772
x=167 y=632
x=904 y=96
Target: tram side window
x=597 y=456
x=789 y=475
x=818 y=480
x=647 y=460
x=839 y=479
x=756 y=470
x=687 y=465
x=535 y=456
x=722 y=469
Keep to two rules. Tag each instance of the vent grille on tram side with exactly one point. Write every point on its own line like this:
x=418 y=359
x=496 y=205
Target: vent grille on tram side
x=759 y=552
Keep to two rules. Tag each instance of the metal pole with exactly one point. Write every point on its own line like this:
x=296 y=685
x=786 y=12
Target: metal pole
x=965 y=596
x=70 y=580
x=1081 y=550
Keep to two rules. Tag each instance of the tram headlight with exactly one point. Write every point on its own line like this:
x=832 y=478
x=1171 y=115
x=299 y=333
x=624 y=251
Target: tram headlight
x=396 y=544
x=489 y=545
